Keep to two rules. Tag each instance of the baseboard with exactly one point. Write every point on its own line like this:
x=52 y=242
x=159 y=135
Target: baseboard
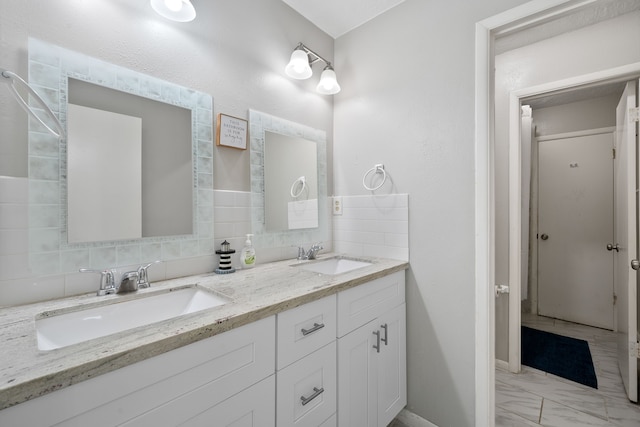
x=502 y=364
x=410 y=419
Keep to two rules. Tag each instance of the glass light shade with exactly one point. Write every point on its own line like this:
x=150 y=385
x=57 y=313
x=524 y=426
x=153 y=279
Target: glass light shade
x=328 y=84
x=298 y=67
x=175 y=10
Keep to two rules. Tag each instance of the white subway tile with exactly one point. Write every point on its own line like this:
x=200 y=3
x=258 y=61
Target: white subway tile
x=14 y=241
x=24 y=291
x=13 y=190
x=13 y=216
x=224 y=198
x=14 y=266
x=189 y=266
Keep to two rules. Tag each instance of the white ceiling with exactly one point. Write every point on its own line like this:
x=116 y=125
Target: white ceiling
x=338 y=17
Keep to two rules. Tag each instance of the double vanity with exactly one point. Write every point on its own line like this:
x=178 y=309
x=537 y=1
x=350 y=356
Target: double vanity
x=312 y=343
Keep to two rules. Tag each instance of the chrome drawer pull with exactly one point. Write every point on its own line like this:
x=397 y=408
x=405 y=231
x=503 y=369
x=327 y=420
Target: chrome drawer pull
x=316 y=392
x=316 y=326
x=384 y=340
x=377 y=345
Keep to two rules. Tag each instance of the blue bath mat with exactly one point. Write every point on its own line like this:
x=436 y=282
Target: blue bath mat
x=565 y=357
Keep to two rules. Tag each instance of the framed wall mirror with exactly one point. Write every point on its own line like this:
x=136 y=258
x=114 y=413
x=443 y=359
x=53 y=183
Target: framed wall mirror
x=155 y=190
x=288 y=182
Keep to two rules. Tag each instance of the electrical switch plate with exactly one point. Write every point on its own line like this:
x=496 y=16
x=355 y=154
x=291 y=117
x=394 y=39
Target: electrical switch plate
x=337 y=206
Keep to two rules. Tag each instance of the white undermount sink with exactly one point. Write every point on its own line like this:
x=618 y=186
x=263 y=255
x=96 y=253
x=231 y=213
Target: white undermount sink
x=333 y=266
x=82 y=325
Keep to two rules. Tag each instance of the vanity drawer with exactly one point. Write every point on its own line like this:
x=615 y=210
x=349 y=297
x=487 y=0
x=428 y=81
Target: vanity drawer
x=361 y=304
x=305 y=329
x=307 y=390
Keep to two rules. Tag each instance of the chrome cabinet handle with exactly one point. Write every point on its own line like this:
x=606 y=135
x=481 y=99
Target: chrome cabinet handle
x=316 y=327
x=384 y=340
x=377 y=345
x=316 y=392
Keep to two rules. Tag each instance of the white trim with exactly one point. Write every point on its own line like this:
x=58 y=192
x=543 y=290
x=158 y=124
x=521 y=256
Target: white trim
x=484 y=216
x=501 y=364
x=410 y=419
x=576 y=134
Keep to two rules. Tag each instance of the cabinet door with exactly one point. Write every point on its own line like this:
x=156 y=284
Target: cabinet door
x=357 y=377
x=253 y=407
x=392 y=365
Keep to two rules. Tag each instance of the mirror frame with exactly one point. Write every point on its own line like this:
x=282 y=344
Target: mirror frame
x=50 y=67
x=259 y=123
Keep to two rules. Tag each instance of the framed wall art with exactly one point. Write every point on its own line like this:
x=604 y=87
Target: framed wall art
x=231 y=132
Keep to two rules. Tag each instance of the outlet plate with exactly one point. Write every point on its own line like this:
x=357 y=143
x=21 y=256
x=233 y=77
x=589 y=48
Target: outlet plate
x=336 y=206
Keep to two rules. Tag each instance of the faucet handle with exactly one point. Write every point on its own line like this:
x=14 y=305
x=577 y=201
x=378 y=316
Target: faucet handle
x=107 y=280
x=143 y=278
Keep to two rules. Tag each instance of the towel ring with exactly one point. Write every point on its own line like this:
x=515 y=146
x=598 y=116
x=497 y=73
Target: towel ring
x=303 y=184
x=23 y=103
x=379 y=168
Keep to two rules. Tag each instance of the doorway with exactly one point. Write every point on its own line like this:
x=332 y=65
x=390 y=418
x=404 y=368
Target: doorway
x=529 y=15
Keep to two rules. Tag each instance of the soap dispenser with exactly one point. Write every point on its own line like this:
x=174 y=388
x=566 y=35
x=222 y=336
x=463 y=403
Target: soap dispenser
x=248 y=253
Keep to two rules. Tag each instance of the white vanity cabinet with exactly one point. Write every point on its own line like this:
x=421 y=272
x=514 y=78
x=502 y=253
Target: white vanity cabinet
x=306 y=361
x=372 y=384
x=228 y=379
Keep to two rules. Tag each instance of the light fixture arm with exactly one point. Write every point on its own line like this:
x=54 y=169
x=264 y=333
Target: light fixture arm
x=314 y=57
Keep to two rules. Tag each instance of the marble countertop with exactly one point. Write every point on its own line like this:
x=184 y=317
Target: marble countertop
x=26 y=372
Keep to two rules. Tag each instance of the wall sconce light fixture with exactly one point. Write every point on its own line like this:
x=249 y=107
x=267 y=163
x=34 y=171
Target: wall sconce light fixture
x=299 y=67
x=175 y=10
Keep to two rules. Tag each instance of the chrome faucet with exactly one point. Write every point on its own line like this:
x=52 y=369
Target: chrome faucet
x=311 y=253
x=131 y=281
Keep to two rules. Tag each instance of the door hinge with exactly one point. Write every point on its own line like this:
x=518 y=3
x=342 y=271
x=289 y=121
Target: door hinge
x=614 y=153
x=615 y=299
x=634 y=114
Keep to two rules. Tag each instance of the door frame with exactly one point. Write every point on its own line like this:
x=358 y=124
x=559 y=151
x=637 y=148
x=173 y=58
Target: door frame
x=531 y=13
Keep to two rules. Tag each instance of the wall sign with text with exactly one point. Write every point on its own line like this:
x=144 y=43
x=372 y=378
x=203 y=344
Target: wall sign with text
x=231 y=132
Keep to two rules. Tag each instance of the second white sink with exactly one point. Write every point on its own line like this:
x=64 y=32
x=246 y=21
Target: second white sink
x=83 y=325
x=333 y=266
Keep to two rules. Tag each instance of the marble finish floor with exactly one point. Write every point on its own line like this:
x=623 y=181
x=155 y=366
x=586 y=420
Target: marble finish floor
x=535 y=398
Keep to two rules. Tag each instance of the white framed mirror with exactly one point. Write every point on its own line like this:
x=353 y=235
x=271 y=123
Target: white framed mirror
x=180 y=182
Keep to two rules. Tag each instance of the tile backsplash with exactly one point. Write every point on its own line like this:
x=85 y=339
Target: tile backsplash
x=369 y=225
x=373 y=226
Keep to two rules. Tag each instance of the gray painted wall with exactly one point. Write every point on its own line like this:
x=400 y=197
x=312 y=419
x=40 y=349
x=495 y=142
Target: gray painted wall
x=408 y=102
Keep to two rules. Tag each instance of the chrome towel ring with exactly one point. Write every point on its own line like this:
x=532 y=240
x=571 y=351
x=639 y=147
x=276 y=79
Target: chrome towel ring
x=379 y=168
x=302 y=183
x=13 y=78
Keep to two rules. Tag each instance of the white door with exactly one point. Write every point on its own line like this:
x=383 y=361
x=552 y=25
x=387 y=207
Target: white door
x=575 y=224
x=392 y=365
x=626 y=238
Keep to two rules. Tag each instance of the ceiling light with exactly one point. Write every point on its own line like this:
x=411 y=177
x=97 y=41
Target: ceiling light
x=299 y=67
x=175 y=10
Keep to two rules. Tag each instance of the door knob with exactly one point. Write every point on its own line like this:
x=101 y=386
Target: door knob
x=635 y=264
x=544 y=236
x=611 y=247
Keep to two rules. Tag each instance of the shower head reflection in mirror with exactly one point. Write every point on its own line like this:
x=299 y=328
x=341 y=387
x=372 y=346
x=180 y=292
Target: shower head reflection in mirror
x=57 y=71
